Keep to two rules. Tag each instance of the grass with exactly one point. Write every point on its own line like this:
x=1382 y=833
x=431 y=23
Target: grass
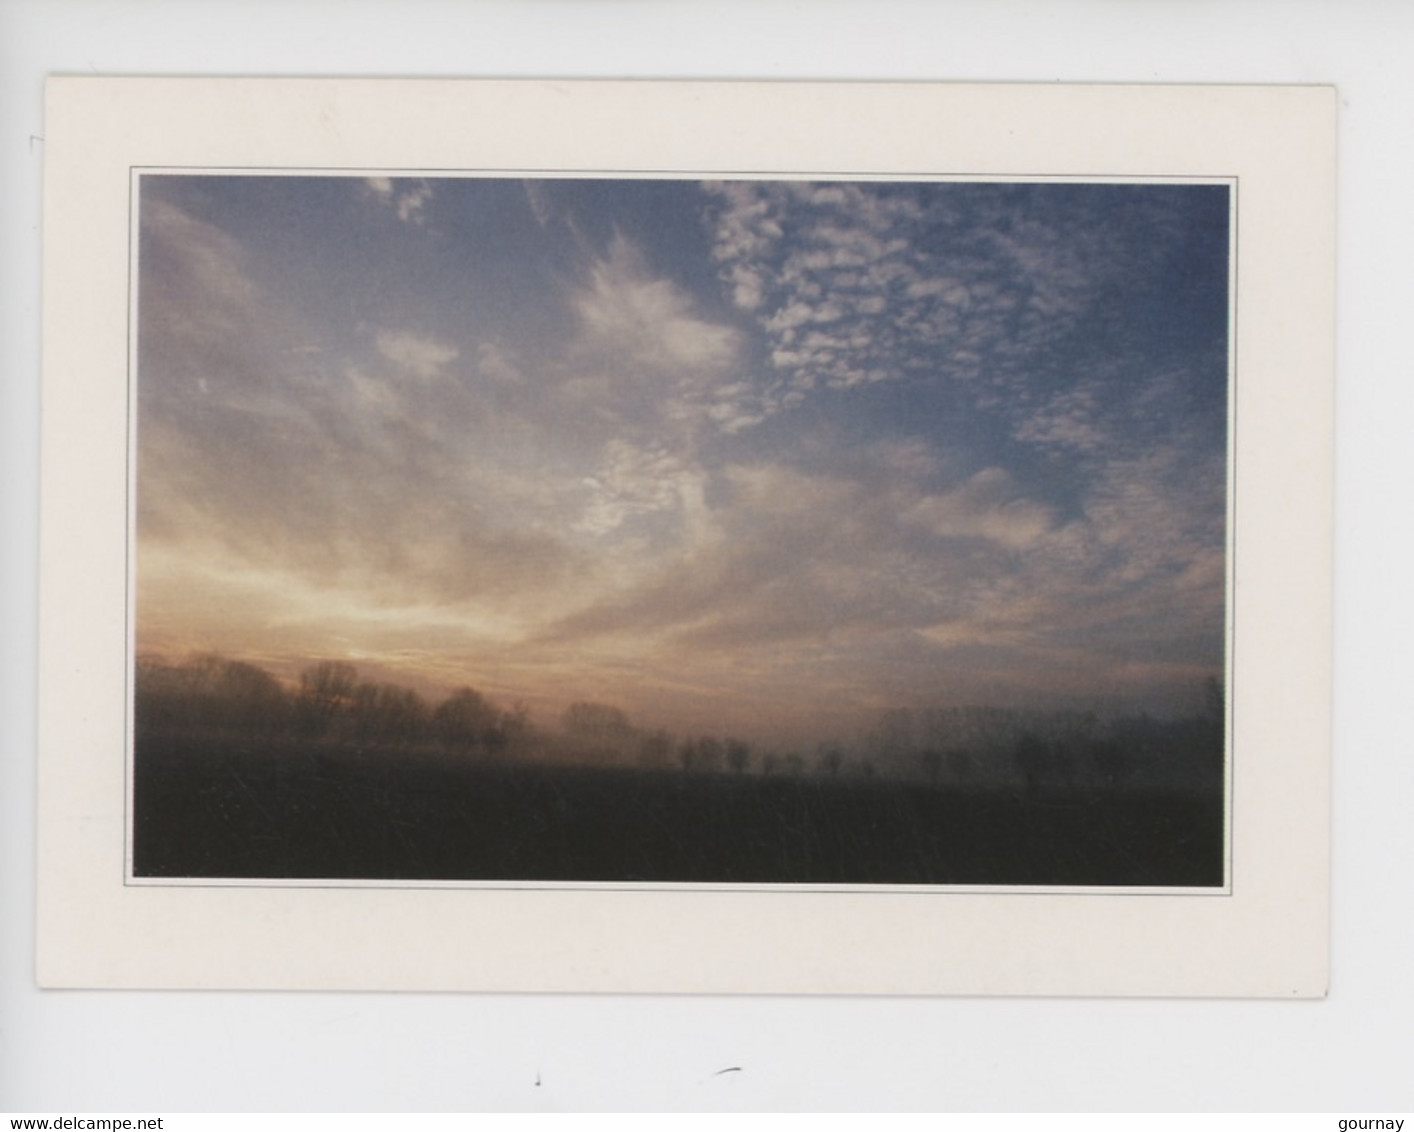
x=222 y=808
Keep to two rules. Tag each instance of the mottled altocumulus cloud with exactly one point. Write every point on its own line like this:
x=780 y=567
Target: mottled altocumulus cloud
x=698 y=449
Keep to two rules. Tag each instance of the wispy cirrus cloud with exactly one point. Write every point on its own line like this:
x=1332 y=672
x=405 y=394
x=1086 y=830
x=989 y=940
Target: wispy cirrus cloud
x=421 y=357
x=644 y=322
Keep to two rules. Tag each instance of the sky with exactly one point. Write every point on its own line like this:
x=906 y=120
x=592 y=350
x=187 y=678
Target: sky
x=765 y=457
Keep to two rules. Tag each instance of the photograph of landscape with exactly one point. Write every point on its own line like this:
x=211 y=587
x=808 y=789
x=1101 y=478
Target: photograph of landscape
x=549 y=530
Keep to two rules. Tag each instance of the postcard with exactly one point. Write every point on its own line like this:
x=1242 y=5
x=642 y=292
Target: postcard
x=686 y=537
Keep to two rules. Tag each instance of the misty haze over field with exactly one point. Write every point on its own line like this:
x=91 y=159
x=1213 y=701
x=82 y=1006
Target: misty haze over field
x=237 y=776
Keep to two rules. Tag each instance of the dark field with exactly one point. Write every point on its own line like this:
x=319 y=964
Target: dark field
x=232 y=809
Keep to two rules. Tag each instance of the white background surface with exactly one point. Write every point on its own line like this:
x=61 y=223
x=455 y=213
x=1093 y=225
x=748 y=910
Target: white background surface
x=151 y=1052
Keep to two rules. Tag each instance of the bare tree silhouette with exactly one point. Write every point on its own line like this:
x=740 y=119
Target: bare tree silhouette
x=738 y=755
x=325 y=690
x=466 y=723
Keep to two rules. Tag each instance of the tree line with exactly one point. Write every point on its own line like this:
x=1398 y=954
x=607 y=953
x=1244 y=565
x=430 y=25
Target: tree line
x=1053 y=750
x=966 y=747
x=210 y=696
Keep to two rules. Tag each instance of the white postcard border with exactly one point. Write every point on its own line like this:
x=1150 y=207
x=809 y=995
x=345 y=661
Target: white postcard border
x=1267 y=937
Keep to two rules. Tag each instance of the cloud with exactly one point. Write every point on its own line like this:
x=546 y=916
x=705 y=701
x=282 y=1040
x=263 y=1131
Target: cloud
x=746 y=234
x=421 y=357
x=538 y=197
x=319 y=467
x=987 y=506
x=410 y=204
x=782 y=554
x=640 y=320
x=1069 y=420
x=633 y=482
x=196 y=290
x=496 y=363
x=857 y=284
x=407 y=200
x=853 y=285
